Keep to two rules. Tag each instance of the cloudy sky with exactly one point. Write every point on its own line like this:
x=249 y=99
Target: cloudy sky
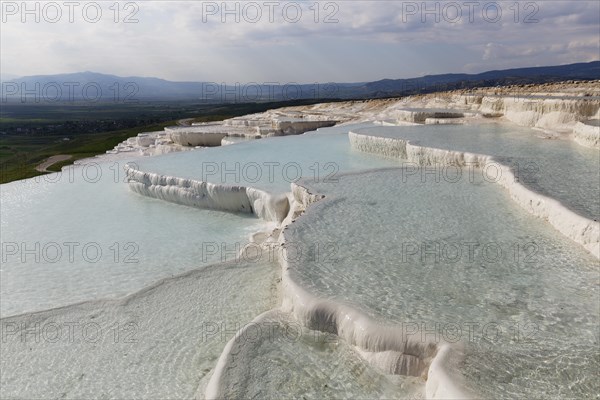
x=298 y=41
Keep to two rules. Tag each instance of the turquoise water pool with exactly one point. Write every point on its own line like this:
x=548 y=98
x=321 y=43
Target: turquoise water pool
x=463 y=259
x=403 y=246
x=271 y=164
x=83 y=235
x=561 y=169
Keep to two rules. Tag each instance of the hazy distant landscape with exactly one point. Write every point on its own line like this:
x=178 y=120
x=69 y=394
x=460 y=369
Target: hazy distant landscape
x=126 y=90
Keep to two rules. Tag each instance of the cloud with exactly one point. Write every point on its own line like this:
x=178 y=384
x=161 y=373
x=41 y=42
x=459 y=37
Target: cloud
x=190 y=41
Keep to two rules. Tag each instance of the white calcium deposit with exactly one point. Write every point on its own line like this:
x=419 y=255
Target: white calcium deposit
x=587 y=135
x=385 y=347
x=189 y=192
x=584 y=231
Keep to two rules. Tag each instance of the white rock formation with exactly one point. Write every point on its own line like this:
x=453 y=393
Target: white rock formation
x=384 y=346
x=270 y=207
x=209 y=134
x=389 y=348
x=584 y=231
x=557 y=114
x=420 y=116
x=587 y=134
x=206 y=136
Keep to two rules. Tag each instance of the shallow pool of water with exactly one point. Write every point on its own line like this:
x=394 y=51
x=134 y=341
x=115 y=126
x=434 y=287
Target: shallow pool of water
x=160 y=343
x=424 y=251
x=271 y=164
x=279 y=358
x=561 y=169
x=84 y=235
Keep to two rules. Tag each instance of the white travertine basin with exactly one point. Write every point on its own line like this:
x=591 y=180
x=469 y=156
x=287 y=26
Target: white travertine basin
x=82 y=234
x=459 y=259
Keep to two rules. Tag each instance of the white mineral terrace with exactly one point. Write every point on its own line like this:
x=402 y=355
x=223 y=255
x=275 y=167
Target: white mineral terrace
x=568 y=118
x=559 y=108
x=585 y=231
x=256 y=126
x=367 y=300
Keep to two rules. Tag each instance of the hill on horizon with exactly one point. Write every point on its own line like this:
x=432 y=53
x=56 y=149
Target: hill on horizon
x=93 y=86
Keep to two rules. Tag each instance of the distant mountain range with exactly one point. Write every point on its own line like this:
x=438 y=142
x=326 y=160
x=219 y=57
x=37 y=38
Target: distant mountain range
x=91 y=86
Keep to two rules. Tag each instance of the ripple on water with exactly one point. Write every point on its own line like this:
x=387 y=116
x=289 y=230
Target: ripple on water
x=561 y=169
x=531 y=293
